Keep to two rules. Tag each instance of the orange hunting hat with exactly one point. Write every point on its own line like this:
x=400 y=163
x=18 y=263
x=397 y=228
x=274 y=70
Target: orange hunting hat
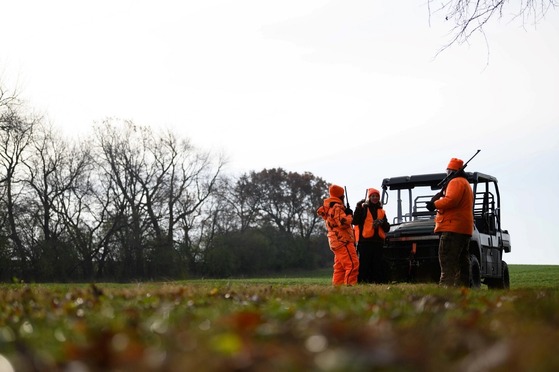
x=455 y=164
x=336 y=191
x=372 y=191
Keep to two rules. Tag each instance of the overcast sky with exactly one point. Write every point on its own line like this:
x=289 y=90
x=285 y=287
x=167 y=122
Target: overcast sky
x=351 y=91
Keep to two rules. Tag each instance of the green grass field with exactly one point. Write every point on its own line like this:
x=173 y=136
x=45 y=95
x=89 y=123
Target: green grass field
x=298 y=323
x=523 y=276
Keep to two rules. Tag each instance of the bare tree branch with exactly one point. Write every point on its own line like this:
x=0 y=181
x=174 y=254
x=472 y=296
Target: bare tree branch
x=471 y=16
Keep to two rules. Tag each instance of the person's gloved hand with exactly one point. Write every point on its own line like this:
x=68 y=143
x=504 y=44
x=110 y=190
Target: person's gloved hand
x=377 y=222
x=348 y=211
x=430 y=206
x=360 y=204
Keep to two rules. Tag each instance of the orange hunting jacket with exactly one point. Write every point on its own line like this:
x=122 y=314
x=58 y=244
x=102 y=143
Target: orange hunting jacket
x=455 y=208
x=338 y=223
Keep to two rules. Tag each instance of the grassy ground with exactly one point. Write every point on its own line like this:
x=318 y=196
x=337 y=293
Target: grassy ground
x=523 y=276
x=281 y=324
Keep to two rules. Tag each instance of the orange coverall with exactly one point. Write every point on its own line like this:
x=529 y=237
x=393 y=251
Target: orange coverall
x=341 y=239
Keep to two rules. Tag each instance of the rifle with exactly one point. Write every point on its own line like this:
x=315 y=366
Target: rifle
x=346 y=198
x=366 y=202
x=454 y=172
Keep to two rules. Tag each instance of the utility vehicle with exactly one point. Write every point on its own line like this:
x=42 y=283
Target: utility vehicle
x=411 y=246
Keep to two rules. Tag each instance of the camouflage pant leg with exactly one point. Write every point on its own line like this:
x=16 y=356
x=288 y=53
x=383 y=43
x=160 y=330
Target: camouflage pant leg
x=453 y=253
x=465 y=263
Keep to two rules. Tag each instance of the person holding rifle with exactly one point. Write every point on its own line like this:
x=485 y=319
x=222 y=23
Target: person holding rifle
x=338 y=219
x=454 y=223
x=371 y=226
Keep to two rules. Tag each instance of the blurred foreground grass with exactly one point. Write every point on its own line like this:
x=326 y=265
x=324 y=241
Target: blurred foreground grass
x=281 y=324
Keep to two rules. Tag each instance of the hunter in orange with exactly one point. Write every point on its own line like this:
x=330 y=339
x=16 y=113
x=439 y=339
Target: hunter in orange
x=341 y=238
x=371 y=225
x=455 y=224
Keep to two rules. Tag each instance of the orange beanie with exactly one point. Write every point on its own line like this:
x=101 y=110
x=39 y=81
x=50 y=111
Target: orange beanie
x=372 y=191
x=336 y=191
x=455 y=164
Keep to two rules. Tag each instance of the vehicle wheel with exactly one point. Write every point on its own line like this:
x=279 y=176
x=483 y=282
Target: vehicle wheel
x=506 y=277
x=475 y=273
x=503 y=282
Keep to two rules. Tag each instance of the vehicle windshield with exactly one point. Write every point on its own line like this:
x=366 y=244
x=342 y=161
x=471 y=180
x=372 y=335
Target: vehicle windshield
x=408 y=204
x=404 y=198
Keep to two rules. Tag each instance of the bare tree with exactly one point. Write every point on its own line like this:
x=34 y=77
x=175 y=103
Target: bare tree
x=158 y=183
x=81 y=212
x=120 y=159
x=195 y=183
x=471 y=16
x=53 y=169
x=16 y=134
x=176 y=180
x=8 y=99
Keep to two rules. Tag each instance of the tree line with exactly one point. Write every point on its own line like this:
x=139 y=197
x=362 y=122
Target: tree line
x=131 y=203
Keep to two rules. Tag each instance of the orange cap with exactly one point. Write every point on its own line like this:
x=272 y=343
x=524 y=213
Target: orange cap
x=336 y=191
x=455 y=164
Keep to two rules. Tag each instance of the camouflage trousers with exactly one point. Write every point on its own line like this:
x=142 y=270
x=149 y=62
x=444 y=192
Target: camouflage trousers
x=454 y=258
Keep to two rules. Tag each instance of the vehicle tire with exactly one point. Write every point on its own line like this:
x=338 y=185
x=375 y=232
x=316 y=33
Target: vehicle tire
x=505 y=278
x=503 y=282
x=475 y=273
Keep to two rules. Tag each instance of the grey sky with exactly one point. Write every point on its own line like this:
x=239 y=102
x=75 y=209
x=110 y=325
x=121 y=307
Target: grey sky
x=350 y=91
